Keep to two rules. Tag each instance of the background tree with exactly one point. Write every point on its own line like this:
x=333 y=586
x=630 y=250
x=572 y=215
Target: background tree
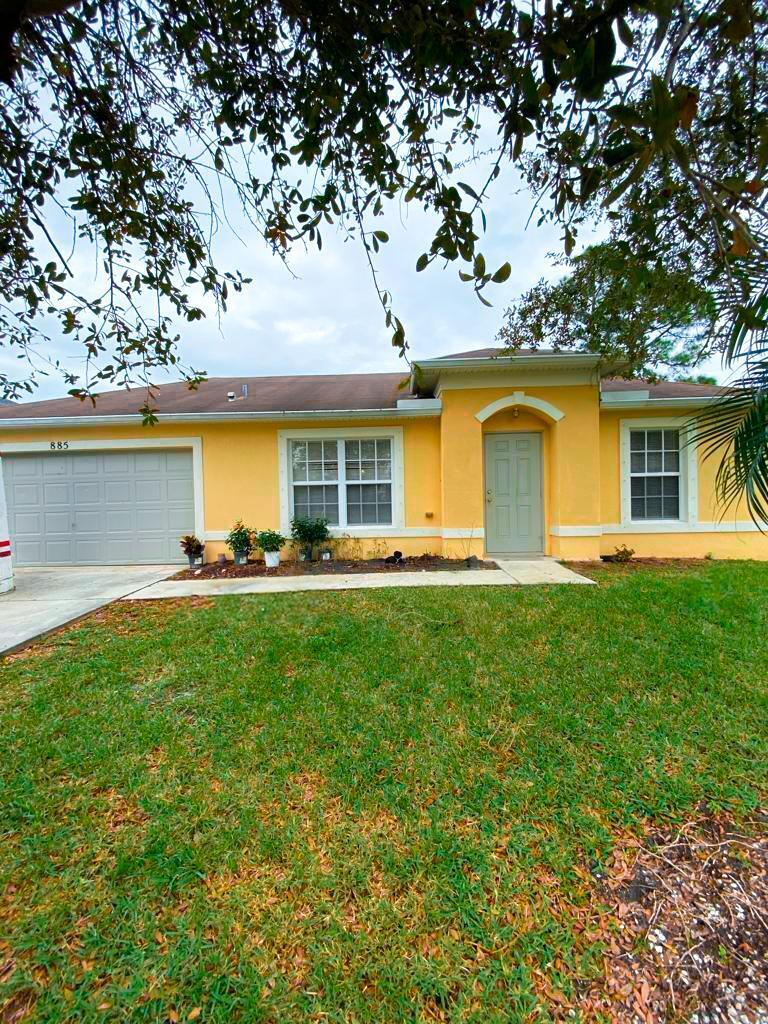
x=124 y=122
x=649 y=317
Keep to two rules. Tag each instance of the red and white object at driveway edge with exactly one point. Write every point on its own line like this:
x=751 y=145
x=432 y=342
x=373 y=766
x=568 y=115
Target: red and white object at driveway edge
x=6 y=560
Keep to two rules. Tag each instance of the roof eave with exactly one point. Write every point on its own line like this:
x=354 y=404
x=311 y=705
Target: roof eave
x=136 y=419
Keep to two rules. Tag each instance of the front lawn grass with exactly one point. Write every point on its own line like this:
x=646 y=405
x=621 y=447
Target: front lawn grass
x=370 y=806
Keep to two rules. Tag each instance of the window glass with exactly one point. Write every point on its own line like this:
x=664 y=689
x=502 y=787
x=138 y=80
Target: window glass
x=356 y=493
x=654 y=474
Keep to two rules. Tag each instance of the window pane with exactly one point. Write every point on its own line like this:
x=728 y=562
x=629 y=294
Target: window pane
x=638 y=508
x=384 y=448
x=654 y=462
x=315 y=471
x=638 y=487
x=670 y=486
x=367 y=449
x=671 y=440
x=299 y=460
x=317 y=501
x=638 y=462
x=653 y=508
x=653 y=486
x=670 y=508
x=671 y=462
x=637 y=440
x=367 y=470
x=654 y=440
x=369 y=504
x=384 y=469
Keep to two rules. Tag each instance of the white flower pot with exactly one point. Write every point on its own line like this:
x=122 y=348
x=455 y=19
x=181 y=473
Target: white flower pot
x=272 y=558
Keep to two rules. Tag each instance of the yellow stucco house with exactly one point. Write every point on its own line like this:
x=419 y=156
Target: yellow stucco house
x=480 y=452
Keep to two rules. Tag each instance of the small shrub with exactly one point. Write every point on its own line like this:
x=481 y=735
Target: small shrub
x=309 y=532
x=191 y=546
x=623 y=553
x=270 y=540
x=240 y=538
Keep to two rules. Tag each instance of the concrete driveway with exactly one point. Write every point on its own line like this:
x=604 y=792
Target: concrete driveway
x=45 y=599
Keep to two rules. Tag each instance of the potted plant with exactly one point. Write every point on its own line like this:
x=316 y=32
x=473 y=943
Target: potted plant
x=270 y=542
x=307 y=533
x=240 y=539
x=192 y=547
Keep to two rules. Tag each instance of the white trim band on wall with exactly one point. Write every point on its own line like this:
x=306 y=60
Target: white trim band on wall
x=195 y=443
x=373 y=532
x=660 y=527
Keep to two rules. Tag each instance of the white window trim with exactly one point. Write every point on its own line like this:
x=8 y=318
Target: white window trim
x=349 y=434
x=689 y=478
x=126 y=443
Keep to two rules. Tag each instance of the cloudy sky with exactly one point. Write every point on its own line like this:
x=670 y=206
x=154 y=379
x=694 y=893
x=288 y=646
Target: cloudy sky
x=323 y=316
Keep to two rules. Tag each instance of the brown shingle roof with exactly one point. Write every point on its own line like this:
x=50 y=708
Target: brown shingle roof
x=664 y=389
x=346 y=391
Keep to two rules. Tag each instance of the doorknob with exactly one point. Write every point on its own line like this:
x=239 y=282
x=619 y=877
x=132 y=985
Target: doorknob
x=489 y=496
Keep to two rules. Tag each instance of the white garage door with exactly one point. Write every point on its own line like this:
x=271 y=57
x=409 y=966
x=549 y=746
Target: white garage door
x=99 y=508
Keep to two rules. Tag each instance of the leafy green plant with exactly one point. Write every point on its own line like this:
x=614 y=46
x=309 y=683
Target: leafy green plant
x=623 y=553
x=307 y=532
x=270 y=540
x=191 y=545
x=240 y=538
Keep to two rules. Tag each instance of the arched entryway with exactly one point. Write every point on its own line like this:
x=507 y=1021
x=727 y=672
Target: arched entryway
x=516 y=449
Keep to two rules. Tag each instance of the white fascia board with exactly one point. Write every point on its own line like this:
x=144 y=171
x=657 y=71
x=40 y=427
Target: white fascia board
x=133 y=420
x=576 y=359
x=424 y=405
x=651 y=404
x=622 y=397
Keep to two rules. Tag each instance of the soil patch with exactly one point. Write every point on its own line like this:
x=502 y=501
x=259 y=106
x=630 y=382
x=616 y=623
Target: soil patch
x=686 y=937
x=419 y=563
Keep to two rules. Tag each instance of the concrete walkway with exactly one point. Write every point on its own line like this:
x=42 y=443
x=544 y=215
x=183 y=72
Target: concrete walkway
x=513 y=573
x=45 y=599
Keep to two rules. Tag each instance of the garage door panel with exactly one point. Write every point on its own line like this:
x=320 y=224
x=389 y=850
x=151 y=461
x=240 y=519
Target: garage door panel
x=117 y=491
x=150 y=490
x=29 y=552
x=57 y=522
x=86 y=492
x=58 y=552
x=181 y=521
x=29 y=523
x=119 y=520
x=152 y=519
x=180 y=490
x=87 y=521
x=56 y=494
x=85 y=465
x=179 y=463
x=150 y=462
x=117 y=462
x=24 y=494
x=100 y=507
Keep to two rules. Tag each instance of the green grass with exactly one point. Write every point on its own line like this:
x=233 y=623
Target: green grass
x=358 y=807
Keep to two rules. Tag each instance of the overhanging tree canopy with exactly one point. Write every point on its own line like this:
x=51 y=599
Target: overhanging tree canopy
x=123 y=122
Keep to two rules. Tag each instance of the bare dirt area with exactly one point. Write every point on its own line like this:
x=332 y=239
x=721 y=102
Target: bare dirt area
x=686 y=936
x=334 y=567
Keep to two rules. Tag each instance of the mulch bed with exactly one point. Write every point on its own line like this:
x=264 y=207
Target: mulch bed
x=686 y=932
x=334 y=567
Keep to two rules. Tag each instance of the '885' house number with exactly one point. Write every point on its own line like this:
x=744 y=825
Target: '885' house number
x=59 y=446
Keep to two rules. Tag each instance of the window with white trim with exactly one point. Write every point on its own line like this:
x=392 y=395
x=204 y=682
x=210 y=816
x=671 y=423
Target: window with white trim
x=348 y=482
x=654 y=470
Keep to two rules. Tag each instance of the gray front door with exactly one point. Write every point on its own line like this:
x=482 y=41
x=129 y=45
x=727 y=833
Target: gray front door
x=101 y=507
x=513 y=506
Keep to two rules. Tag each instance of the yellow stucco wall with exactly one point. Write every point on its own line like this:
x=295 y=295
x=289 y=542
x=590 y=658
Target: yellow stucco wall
x=723 y=542
x=444 y=486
